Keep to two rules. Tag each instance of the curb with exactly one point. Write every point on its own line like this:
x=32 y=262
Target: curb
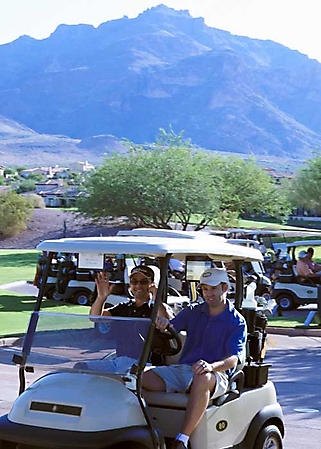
x=294 y=332
x=8 y=341
x=12 y=284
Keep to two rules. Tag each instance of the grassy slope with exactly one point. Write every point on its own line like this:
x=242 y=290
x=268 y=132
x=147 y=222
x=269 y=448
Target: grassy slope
x=16 y=265
x=16 y=309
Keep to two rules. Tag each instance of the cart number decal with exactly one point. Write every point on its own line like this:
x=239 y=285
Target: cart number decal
x=221 y=426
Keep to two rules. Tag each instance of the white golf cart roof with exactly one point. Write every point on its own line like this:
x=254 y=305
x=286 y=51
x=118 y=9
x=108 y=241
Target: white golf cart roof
x=245 y=242
x=179 y=248
x=300 y=243
x=275 y=232
x=168 y=233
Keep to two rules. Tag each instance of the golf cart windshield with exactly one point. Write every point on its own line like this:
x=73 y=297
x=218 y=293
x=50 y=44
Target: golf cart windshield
x=79 y=342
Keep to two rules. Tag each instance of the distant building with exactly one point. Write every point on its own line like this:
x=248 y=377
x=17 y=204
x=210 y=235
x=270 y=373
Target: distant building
x=55 y=194
x=49 y=172
x=82 y=166
x=49 y=185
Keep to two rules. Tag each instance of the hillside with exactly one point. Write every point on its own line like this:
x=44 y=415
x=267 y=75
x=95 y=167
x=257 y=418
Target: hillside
x=130 y=77
x=49 y=224
x=20 y=145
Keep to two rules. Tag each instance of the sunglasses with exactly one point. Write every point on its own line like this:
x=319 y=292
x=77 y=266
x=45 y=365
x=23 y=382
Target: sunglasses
x=141 y=281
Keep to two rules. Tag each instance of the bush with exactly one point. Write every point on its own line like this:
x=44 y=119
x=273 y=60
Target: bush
x=36 y=201
x=14 y=212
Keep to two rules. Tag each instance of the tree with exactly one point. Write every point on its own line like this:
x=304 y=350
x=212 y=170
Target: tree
x=14 y=212
x=245 y=188
x=153 y=187
x=174 y=182
x=304 y=189
x=27 y=185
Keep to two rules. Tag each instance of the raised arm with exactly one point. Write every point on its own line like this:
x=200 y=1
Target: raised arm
x=104 y=289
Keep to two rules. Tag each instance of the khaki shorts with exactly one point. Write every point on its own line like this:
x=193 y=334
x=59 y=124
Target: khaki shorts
x=178 y=379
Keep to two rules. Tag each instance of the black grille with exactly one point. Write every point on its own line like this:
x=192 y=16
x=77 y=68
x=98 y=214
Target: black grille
x=55 y=408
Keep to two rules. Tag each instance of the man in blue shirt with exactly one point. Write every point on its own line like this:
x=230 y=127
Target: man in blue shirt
x=215 y=345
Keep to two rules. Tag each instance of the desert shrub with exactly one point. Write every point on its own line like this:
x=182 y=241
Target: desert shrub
x=36 y=201
x=14 y=212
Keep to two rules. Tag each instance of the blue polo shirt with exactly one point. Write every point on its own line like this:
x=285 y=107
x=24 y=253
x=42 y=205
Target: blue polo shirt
x=211 y=338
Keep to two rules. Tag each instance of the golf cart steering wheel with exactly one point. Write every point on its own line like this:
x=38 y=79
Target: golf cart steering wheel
x=167 y=342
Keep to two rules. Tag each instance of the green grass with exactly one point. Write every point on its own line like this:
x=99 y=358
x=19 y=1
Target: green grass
x=290 y=322
x=15 y=311
x=274 y=225
x=17 y=265
x=285 y=321
x=253 y=224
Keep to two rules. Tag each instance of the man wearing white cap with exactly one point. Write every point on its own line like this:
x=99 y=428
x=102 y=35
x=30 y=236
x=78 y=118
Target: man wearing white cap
x=215 y=344
x=303 y=267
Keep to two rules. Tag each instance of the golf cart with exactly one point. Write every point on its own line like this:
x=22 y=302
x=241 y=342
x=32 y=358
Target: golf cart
x=70 y=407
x=255 y=270
x=291 y=290
x=272 y=243
x=51 y=282
x=65 y=281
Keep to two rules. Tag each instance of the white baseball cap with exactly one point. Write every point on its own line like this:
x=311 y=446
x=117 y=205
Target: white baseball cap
x=302 y=254
x=214 y=277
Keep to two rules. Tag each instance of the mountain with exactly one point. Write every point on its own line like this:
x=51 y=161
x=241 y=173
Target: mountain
x=130 y=77
x=20 y=145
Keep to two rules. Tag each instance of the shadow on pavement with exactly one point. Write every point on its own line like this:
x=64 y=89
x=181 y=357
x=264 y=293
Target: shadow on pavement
x=297 y=377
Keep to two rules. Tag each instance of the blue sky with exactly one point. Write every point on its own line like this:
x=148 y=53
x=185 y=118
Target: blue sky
x=293 y=23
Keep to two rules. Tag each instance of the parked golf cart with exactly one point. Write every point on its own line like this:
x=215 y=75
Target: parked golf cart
x=53 y=273
x=68 y=281
x=272 y=243
x=291 y=290
x=65 y=282
x=68 y=407
x=254 y=269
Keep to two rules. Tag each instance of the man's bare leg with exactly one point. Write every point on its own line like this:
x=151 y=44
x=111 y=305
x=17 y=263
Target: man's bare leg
x=152 y=382
x=202 y=386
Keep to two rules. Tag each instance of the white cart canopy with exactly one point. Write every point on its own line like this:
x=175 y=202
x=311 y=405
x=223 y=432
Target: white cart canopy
x=179 y=248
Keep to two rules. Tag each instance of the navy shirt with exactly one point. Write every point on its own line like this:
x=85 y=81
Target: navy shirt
x=211 y=338
x=129 y=309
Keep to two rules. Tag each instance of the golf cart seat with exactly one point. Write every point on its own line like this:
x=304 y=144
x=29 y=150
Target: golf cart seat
x=304 y=280
x=179 y=400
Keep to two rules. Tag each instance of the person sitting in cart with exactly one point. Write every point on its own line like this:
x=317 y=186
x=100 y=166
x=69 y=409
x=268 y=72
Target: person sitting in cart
x=303 y=267
x=314 y=266
x=214 y=346
x=143 y=288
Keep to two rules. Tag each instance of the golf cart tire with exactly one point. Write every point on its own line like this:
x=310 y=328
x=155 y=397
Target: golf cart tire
x=269 y=436
x=82 y=298
x=286 y=301
x=49 y=293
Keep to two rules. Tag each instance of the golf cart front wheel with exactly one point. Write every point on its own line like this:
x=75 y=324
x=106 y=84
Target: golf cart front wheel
x=286 y=302
x=269 y=438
